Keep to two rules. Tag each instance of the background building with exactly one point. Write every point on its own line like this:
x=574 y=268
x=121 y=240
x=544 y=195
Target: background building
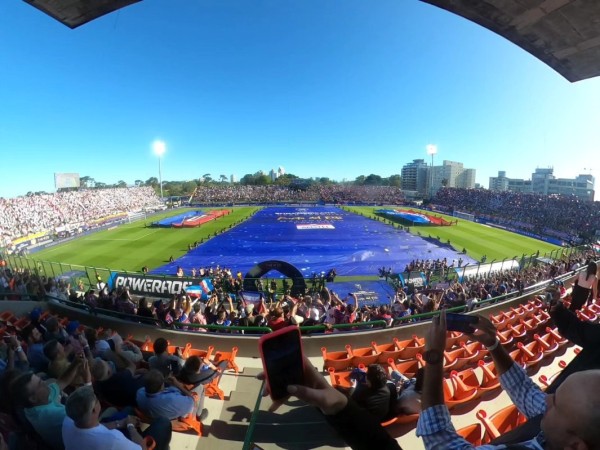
x=414 y=176
x=544 y=182
x=419 y=177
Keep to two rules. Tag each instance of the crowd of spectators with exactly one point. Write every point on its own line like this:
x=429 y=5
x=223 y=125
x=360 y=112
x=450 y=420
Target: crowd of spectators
x=330 y=193
x=227 y=306
x=319 y=306
x=22 y=216
x=566 y=218
x=65 y=386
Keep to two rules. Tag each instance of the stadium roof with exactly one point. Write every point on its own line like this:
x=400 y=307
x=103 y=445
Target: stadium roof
x=565 y=34
x=74 y=13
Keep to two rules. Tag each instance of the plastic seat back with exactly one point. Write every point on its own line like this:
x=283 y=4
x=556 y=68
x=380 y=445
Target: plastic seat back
x=471 y=433
x=229 y=357
x=363 y=355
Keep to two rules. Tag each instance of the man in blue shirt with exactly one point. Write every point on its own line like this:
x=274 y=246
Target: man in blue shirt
x=35 y=349
x=157 y=400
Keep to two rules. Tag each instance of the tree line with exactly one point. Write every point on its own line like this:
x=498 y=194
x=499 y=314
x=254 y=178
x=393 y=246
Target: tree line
x=183 y=188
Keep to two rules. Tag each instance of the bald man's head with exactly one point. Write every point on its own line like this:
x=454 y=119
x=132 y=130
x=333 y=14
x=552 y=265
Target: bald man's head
x=573 y=413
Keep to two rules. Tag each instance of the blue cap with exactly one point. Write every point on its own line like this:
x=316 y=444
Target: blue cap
x=72 y=327
x=35 y=314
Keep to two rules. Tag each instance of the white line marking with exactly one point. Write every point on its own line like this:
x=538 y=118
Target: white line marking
x=143 y=236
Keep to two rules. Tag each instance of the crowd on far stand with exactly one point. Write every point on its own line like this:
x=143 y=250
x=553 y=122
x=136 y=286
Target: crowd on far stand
x=333 y=193
x=22 y=216
x=548 y=215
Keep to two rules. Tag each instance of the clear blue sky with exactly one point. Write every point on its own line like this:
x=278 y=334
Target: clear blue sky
x=334 y=88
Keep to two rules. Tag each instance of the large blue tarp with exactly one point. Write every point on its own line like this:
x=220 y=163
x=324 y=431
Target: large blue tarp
x=411 y=217
x=170 y=221
x=315 y=240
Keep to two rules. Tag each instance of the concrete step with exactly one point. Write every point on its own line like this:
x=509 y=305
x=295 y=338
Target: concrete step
x=276 y=435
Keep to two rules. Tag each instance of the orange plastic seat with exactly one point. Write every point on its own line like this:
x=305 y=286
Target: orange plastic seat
x=401 y=419
x=527 y=355
x=542 y=315
x=172 y=349
x=499 y=423
x=530 y=325
x=490 y=380
x=547 y=343
x=229 y=357
x=465 y=381
x=519 y=333
x=363 y=355
x=340 y=379
x=500 y=321
x=6 y=316
x=412 y=347
x=185 y=424
x=20 y=324
x=201 y=353
x=473 y=352
x=407 y=368
x=587 y=316
x=519 y=312
x=451 y=358
x=556 y=336
x=452 y=338
x=459 y=396
x=471 y=433
x=506 y=338
x=387 y=351
x=594 y=307
x=510 y=317
x=336 y=360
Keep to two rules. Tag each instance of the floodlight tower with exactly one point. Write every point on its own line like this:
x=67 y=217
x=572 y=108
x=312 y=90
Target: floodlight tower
x=431 y=150
x=159 y=148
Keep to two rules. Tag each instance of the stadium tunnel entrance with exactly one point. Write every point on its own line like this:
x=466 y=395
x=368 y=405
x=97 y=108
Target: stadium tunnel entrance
x=298 y=287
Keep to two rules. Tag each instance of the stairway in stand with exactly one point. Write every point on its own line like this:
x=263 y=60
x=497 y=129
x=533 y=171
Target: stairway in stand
x=293 y=426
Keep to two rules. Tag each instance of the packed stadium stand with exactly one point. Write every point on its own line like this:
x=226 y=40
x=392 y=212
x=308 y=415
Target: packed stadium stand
x=62 y=211
x=566 y=218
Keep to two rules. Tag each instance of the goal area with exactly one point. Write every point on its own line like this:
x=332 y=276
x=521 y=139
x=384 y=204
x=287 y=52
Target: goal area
x=464 y=215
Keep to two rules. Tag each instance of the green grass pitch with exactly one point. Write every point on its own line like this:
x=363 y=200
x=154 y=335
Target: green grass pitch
x=130 y=247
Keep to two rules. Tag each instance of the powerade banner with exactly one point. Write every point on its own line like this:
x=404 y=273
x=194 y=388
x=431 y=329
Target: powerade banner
x=150 y=285
x=417 y=279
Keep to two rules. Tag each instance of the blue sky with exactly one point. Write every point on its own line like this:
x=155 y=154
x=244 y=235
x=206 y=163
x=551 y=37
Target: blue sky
x=334 y=88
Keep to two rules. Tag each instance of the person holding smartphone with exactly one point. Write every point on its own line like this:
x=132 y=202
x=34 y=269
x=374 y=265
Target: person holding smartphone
x=570 y=418
x=287 y=373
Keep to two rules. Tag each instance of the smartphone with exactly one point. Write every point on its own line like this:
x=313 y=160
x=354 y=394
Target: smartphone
x=282 y=358
x=461 y=322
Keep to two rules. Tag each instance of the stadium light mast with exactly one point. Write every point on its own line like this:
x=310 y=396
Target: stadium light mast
x=159 y=148
x=431 y=150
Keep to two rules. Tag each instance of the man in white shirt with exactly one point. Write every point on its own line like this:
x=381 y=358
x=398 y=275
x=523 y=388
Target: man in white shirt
x=82 y=428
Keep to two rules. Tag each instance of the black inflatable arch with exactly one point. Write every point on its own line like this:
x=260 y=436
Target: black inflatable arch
x=298 y=281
